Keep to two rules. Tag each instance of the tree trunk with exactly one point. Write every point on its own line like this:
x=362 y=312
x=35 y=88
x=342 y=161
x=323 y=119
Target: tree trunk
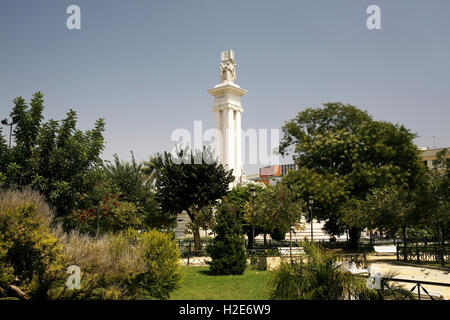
x=354 y=238
x=265 y=239
x=197 y=244
x=196 y=232
x=249 y=238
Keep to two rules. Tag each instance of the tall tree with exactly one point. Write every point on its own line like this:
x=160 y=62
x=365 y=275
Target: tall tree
x=52 y=157
x=189 y=181
x=227 y=250
x=345 y=141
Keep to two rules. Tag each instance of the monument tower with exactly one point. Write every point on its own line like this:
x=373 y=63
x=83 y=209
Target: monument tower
x=227 y=110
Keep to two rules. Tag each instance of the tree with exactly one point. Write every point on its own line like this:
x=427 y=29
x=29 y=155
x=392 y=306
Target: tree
x=188 y=182
x=327 y=191
x=52 y=157
x=389 y=209
x=241 y=199
x=129 y=180
x=227 y=250
x=345 y=141
x=277 y=209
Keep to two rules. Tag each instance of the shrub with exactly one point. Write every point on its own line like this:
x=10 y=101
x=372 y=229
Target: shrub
x=321 y=278
x=112 y=213
x=161 y=258
x=31 y=258
x=318 y=279
x=227 y=248
x=34 y=257
x=127 y=265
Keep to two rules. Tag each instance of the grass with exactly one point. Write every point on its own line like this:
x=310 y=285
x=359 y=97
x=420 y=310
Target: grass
x=199 y=284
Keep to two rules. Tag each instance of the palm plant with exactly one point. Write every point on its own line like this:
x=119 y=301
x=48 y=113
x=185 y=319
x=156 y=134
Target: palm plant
x=318 y=276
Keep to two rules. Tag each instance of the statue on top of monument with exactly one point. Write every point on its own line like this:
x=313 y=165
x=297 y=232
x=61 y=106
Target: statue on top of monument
x=227 y=67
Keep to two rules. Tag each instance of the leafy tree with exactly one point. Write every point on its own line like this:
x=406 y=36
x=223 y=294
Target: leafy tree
x=227 y=250
x=241 y=199
x=52 y=157
x=134 y=186
x=188 y=182
x=327 y=191
x=388 y=209
x=277 y=209
x=344 y=141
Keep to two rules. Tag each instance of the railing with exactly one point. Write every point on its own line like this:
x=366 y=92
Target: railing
x=419 y=286
x=424 y=251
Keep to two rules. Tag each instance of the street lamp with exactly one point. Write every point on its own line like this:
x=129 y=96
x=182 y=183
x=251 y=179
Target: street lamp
x=6 y=123
x=253 y=195
x=311 y=201
x=441 y=242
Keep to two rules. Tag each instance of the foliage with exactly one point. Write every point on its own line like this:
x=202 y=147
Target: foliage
x=241 y=199
x=161 y=259
x=52 y=157
x=343 y=141
x=32 y=262
x=111 y=214
x=126 y=265
x=34 y=257
x=189 y=181
x=322 y=278
x=277 y=209
x=327 y=191
x=440 y=193
x=134 y=186
x=227 y=250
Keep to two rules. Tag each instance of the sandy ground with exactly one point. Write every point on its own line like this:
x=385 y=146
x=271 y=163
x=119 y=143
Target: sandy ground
x=386 y=264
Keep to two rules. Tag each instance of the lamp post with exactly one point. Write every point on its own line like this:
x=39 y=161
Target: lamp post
x=441 y=242
x=10 y=124
x=253 y=195
x=311 y=201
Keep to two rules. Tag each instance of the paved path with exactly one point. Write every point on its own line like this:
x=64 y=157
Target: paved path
x=386 y=264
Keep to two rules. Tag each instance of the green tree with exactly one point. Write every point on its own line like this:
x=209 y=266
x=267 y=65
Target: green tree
x=241 y=199
x=189 y=181
x=227 y=249
x=327 y=191
x=129 y=180
x=277 y=209
x=345 y=141
x=52 y=157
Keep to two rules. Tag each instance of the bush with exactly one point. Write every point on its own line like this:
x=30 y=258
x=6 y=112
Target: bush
x=31 y=258
x=320 y=278
x=127 y=265
x=161 y=258
x=227 y=248
x=34 y=257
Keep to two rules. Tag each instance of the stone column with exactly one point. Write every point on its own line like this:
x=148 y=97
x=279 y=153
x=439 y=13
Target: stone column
x=238 y=152
x=218 y=135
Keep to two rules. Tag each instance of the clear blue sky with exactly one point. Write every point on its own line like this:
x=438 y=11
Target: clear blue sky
x=146 y=66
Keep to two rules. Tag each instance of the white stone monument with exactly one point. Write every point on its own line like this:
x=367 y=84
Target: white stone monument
x=227 y=111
